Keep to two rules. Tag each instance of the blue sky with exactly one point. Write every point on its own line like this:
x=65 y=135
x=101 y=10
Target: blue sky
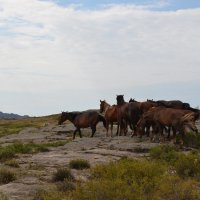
x=166 y=4
x=57 y=57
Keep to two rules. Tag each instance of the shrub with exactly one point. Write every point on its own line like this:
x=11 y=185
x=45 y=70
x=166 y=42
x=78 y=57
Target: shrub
x=125 y=179
x=188 y=165
x=63 y=174
x=79 y=164
x=173 y=187
x=65 y=186
x=6 y=176
x=192 y=140
x=165 y=153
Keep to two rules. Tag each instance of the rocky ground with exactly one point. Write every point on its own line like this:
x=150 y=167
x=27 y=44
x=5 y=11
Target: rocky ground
x=36 y=170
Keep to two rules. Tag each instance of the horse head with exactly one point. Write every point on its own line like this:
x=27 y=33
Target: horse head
x=120 y=99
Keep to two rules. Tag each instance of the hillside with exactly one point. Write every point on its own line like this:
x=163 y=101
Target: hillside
x=11 y=116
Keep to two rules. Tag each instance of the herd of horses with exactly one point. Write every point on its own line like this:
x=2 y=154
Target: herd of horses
x=151 y=118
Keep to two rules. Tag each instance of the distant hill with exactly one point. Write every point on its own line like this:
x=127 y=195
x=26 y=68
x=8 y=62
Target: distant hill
x=11 y=116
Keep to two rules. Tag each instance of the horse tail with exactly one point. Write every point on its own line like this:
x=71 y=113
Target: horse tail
x=102 y=119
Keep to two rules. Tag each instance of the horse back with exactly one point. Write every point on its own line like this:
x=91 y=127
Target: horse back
x=86 y=119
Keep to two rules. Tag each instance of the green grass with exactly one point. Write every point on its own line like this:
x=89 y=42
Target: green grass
x=10 y=151
x=8 y=127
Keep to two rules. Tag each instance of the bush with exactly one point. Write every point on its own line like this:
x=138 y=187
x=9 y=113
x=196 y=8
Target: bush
x=79 y=164
x=192 y=140
x=173 y=187
x=65 y=186
x=125 y=179
x=63 y=174
x=6 y=176
x=165 y=153
x=188 y=165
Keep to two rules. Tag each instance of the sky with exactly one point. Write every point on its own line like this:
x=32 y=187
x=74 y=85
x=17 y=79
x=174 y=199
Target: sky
x=62 y=55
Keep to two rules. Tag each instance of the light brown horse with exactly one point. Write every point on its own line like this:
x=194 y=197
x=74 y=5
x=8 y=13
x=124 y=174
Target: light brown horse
x=110 y=114
x=161 y=117
x=82 y=120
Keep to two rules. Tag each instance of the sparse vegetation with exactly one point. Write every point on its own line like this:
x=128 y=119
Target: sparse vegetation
x=3 y=196
x=166 y=153
x=12 y=163
x=63 y=174
x=79 y=164
x=10 y=151
x=65 y=186
x=188 y=165
x=6 y=176
x=8 y=127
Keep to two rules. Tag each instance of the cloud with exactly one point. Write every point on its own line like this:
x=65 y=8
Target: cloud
x=46 y=48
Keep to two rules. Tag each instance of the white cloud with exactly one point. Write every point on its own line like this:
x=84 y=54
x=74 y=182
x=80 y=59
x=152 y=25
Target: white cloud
x=45 y=47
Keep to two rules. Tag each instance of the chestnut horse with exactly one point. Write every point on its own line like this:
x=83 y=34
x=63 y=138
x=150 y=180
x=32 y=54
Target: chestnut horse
x=82 y=120
x=110 y=114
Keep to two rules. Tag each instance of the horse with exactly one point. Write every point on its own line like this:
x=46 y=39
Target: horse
x=110 y=114
x=177 y=104
x=177 y=119
x=128 y=113
x=144 y=105
x=83 y=119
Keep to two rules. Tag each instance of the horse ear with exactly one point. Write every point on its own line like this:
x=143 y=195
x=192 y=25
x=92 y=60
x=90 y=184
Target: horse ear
x=100 y=101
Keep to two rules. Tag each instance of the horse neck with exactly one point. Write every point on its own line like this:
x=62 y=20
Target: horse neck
x=71 y=116
x=106 y=106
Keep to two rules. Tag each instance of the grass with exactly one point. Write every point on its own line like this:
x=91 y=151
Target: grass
x=10 y=151
x=6 y=176
x=8 y=127
x=12 y=163
x=79 y=164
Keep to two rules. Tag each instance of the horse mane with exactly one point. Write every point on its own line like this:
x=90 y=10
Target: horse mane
x=188 y=117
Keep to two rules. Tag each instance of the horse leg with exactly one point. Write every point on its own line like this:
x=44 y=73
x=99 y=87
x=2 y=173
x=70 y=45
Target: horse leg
x=168 y=133
x=74 y=134
x=111 y=129
x=148 y=130
x=174 y=135
x=107 y=128
x=93 y=130
x=79 y=131
x=117 y=133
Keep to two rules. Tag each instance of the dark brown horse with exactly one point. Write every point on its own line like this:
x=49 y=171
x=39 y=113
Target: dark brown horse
x=110 y=114
x=128 y=114
x=177 y=104
x=82 y=120
x=144 y=105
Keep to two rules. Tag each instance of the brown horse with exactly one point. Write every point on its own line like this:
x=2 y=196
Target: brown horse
x=128 y=113
x=161 y=117
x=144 y=105
x=82 y=120
x=110 y=114
x=177 y=104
